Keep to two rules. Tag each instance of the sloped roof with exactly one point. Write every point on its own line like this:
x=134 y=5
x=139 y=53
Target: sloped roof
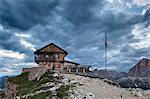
x=51 y=44
x=70 y=62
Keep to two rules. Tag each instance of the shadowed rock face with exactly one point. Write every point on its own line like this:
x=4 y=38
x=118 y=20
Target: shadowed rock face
x=10 y=90
x=134 y=82
x=141 y=69
x=2 y=81
x=107 y=74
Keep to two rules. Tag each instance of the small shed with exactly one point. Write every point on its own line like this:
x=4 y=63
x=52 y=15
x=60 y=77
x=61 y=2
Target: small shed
x=70 y=67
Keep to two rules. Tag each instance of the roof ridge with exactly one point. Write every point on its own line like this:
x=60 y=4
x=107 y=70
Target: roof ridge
x=49 y=45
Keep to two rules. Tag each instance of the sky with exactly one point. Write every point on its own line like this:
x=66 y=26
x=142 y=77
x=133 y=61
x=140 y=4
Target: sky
x=78 y=26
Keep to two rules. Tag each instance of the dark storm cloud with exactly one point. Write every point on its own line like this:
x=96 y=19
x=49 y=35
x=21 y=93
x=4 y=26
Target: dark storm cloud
x=147 y=17
x=115 y=21
x=78 y=26
x=24 y=14
x=9 y=41
x=80 y=11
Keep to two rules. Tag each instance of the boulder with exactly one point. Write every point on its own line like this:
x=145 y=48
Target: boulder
x=55 y=75
x=65 y=81
x=137 y=92
x=74 y=81
x=89 y=96
x=111 y=82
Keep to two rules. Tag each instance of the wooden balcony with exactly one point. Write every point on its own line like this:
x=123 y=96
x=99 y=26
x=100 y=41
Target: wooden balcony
x=38 y=59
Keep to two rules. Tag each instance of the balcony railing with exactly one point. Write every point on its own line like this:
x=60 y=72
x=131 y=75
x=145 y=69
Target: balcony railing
x=39 y=59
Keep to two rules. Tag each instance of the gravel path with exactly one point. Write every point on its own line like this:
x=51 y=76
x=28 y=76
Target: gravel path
x=101 y=90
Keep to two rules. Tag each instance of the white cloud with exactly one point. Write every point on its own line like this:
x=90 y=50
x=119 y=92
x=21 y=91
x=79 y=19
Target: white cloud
x=103 y=68
x=117 y=5
x=27 y=44
x=23 y=40
x=15 y=68
x=8 y=71
x=1 y=27
x=141 y=2
x=142 y=34
x=108 y=68
x=11 y=54
x=144 y=11
x=23 y=35
x=113 y=52
x=28 y=64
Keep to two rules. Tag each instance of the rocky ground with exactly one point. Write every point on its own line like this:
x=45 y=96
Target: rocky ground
x=91 y=88
x=68 y=86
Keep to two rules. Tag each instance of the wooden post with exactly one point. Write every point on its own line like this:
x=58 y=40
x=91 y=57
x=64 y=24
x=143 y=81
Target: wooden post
x=83 y=70
x=77 y=70
x=69 y=70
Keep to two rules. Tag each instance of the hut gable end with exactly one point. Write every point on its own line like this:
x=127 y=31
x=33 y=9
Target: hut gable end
x=51 y=48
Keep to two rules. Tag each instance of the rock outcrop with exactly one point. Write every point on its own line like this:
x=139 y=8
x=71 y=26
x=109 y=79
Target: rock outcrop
x=10 y=90
x=69 y=86
x=141 y=69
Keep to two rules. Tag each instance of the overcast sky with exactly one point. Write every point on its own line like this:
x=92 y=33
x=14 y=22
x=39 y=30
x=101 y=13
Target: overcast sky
x=78 y=26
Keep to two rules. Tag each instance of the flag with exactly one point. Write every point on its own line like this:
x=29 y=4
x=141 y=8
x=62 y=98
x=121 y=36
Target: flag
x=105 y=40
x=105 y=50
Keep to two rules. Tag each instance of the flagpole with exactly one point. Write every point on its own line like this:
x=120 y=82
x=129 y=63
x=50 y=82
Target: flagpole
x=105 y=58
x=105 y=52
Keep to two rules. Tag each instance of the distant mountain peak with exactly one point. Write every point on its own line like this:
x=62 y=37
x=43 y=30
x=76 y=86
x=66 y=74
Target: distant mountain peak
x=141 y=69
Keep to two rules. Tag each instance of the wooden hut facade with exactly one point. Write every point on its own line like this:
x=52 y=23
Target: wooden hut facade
x=53 y=58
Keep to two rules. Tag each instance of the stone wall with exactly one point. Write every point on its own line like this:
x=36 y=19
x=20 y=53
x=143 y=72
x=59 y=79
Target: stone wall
x=35 y=72
x=26 y=70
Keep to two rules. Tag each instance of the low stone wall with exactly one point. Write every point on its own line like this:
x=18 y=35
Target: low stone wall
x=26 y=70
x=35 y=72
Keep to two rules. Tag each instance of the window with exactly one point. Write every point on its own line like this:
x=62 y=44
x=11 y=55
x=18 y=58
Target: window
x=46 y=56
x=56 y=56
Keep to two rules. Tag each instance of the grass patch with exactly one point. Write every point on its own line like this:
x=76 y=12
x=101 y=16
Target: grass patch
x=47 y=77
x=44 y=95
x=25 y=86
x=19 y=79
x=63 y=91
